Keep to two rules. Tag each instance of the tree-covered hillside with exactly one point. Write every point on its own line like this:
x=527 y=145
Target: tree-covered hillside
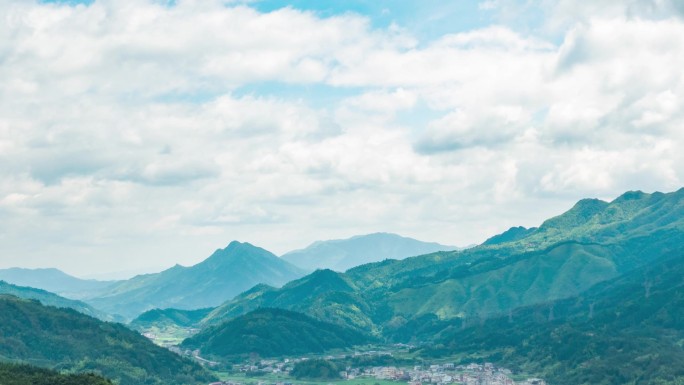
x=67 y=340
x=593 y=242
x=274 y=332
x=323 y=294
x=625 y=331
x=169 y=317
x=51 y=299
x=15 y=374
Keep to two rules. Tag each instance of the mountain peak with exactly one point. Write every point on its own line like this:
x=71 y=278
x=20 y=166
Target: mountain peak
x=344 y=254
x=632 y=195
x=510 y=235
x=225 y=273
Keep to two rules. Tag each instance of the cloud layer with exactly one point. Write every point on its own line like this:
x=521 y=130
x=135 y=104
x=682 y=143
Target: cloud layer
x=136 y=133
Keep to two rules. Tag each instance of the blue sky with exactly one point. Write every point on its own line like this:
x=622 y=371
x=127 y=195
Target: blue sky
x=137 y=134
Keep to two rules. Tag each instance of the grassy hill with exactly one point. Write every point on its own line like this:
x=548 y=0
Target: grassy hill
x=343 y=254
x=51 y=299
x=67 y=340
x=220 y=277
x=274 y=332
x=14 y=374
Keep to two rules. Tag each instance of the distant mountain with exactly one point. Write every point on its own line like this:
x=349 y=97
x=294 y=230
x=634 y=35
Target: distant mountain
x=51 y=299
x=54 y=281
x=16 y=374
x=593 y=242
x=226 y=273
x=272 y=333
x=63 y=338
x=343 y=254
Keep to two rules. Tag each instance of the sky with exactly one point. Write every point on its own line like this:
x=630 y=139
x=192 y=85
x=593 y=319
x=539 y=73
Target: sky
x=137 y=134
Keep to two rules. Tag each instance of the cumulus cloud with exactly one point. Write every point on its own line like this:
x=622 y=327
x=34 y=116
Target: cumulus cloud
x=148 y=133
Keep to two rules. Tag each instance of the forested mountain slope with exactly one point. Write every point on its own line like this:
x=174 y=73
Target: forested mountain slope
x=594 y=241
x=63 y=338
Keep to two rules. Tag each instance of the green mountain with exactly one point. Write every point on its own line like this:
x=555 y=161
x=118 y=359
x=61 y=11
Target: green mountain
x=324 y=294
x=274 y=332
x=593 y=242
x=169 y=317
x=14 y=374
x=54 y=281
x=67 y=340
x=226 y=273
x=51 y=299
x=510 y=235
x=625 y=331
x=343 y=254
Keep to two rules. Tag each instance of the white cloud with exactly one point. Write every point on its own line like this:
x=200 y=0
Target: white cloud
x=137 y=133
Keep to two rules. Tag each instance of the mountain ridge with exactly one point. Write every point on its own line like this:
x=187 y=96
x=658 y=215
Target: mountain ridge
x=224 y=274
x=344 y=254
x=592 y=242
x=53 y=280
x=51 y=299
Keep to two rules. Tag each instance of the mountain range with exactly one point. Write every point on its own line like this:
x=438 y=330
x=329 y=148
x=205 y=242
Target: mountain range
x=343 y=254
x=593 y=242
x=591 y=296
x=55 y=281
x=226 y=273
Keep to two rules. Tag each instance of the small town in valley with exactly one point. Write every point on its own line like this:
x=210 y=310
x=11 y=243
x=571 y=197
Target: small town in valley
x=434 y=374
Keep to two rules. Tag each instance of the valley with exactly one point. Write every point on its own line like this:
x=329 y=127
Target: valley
x=560 y=303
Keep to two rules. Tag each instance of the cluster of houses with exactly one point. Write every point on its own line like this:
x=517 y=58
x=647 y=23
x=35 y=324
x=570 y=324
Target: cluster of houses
x=442 y=374
x=445 y=374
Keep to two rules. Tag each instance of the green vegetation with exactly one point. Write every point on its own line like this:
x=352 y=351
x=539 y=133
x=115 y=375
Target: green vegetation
x=625 y=331
x=565 y=301
x=51 y=299
x=510 y=235
x=14 y=374
x=223 y=275
x=323 y=294
x=169 y=317
x=593 y=242
x=67 y=340
x=274 y=332
x=316 y=369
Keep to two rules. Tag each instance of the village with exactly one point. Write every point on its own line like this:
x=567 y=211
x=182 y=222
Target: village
x=435 y=374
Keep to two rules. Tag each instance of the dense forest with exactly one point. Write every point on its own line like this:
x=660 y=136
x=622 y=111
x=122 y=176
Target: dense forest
x=17 y=374
x=274 y=332
x=67 y=340
x=625 y=331
x=316 y=369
